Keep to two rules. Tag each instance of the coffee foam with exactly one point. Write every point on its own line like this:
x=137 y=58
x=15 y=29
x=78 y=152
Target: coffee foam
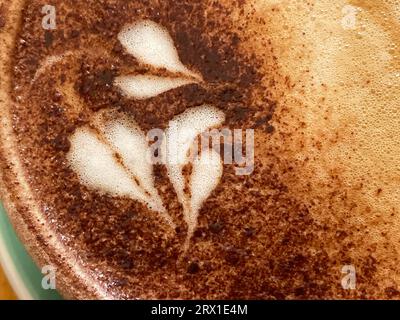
x=142 y=87
x=341 y=138
x=207 y=170
x=113 y=158
x=207 y=173
x=184 y=128
x=130 y=142
x=344 y=104
x=180 y=135
x=145 y=41
x=150 y=43
x=91 y=158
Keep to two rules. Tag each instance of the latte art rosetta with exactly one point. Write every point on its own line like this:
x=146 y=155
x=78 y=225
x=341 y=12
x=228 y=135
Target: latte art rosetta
x=115 y=161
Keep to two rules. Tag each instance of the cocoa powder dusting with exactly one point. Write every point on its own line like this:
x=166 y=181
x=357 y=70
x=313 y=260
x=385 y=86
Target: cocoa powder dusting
x=255 y=239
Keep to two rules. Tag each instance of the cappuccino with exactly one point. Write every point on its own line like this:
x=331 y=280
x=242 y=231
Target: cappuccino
x=119 y=117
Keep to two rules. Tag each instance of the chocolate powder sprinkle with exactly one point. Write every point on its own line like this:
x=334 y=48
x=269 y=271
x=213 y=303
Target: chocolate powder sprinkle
x=283 y=257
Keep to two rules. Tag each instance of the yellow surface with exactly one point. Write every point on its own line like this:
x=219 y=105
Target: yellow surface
x=6 y=292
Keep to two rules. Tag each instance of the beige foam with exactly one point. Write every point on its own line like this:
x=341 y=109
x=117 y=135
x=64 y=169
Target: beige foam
x=342 y=114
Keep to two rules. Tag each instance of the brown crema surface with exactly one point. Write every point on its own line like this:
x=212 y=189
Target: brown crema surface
x=263 y=236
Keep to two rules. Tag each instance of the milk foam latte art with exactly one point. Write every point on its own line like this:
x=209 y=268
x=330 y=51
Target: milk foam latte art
x=317 y=83
x=151 y=44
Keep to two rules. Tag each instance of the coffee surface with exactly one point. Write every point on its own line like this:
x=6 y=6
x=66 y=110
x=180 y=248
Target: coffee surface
x=322 y=194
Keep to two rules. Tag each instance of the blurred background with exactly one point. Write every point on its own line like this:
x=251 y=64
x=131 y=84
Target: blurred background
x=6 y=292
x=24 y=277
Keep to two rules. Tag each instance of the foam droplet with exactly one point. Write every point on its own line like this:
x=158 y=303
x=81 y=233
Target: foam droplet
x=207 y=172
x=152 y=44
x=144 y=87
x=180 y=136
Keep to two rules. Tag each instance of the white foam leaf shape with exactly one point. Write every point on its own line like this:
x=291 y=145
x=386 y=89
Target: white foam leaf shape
x=96 y=165
x=180 y=136
x=151 y=43
x=93 y=158
x=130 y=143
x=142 y=87
x=207 y=172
